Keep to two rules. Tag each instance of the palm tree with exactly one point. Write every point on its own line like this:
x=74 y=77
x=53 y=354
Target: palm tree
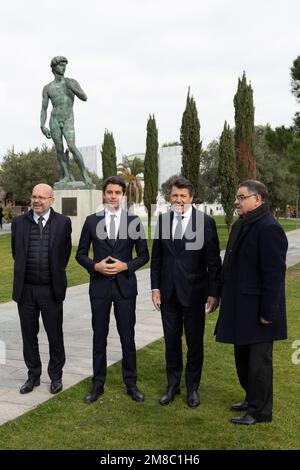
x=130 y=169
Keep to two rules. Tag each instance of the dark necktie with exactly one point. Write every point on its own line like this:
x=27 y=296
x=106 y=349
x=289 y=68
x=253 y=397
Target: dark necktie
x=112 y=230
x=178 y=233
x=40 y=225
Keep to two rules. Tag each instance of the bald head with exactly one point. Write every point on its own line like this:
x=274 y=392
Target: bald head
x=45 y=188
x=41 y=198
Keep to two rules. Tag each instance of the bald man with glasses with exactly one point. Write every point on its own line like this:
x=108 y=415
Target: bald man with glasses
x=253 y=312
x=41 y=247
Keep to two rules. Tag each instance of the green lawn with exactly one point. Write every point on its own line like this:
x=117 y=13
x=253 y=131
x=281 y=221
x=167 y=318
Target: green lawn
x=76 y=274
x=116 y=422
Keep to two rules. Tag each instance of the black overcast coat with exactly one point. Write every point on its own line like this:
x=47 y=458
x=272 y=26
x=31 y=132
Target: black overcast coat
x=255 y=287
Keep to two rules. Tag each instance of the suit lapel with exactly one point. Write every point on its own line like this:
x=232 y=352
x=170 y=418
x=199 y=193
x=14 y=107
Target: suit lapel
x=190 y=231
x=123 y=228
x=100 y=216
x=53 y=224
x=26 y=230
x=170 y=235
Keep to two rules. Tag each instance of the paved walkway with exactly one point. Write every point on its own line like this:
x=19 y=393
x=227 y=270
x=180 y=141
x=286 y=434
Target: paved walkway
x=6 y=228
x=78 y=341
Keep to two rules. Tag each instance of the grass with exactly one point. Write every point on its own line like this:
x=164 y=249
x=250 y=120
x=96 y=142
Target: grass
x=76 y=274
x=116 y=422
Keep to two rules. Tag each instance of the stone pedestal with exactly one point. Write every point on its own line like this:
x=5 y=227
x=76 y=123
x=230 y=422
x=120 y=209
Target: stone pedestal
x=77 y=204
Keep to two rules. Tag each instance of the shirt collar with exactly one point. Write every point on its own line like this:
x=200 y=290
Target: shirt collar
x=37 y=216
x=116 y=213
x=186 y=214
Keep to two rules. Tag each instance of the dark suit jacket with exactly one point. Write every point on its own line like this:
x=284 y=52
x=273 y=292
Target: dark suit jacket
x=254 y=287
x=195 y=272
x=60 y=246
x=92 y=234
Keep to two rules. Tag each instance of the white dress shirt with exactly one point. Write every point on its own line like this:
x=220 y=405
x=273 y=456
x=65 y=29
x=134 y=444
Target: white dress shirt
x=185 y=220
x=45 y=216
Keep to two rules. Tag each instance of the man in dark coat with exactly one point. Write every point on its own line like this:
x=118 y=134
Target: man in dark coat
x=185 y=275
x=113 y=235
x=253 y=313
x=41 y=247
x=1 y=217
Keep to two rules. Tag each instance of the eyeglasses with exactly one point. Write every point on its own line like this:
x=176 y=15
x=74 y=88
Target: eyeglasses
x=40 y=198
x=241 y=197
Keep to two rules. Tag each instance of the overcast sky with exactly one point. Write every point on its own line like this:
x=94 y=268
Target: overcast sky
x=136 y=57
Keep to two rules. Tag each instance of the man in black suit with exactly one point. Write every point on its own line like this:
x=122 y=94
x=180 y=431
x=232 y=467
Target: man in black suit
x=113 y=235
x=41 y=247
x=185 y=275
x=253 y=312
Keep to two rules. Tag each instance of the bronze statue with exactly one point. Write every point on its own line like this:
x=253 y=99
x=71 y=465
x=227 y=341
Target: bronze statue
x=61 y=92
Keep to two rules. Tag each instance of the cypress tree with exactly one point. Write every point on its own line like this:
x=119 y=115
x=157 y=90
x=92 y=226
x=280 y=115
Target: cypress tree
x=295 y=74
x=227 y=173
x=108 y=152
x=244 y=130
x=191 y=145
x=151 y=168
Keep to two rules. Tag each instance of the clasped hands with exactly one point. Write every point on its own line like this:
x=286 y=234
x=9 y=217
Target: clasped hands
x=110 y=266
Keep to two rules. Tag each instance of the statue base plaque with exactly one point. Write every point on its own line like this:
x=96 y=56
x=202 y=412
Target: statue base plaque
x=77 y=204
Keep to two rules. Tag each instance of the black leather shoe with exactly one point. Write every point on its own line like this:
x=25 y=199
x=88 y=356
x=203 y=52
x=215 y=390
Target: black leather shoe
x=56 y=386
x=169 y=395
x=246 y=419
x=193 y=399
x=135 y=393
x=28 y=386
x=242 y=406
x=94 y=394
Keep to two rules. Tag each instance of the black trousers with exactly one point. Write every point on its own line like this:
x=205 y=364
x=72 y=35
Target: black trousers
x=124 y=310
x=175 y=317
x=254 y=367
x=36 y=300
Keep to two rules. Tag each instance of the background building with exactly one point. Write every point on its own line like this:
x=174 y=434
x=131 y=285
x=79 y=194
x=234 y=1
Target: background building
x=130 y=157
x=169 y=162
x=92 y=158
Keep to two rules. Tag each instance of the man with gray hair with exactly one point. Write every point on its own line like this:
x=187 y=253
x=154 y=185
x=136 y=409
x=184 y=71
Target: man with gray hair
x=253 y=313
x=185 y=282
x=61 y=92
